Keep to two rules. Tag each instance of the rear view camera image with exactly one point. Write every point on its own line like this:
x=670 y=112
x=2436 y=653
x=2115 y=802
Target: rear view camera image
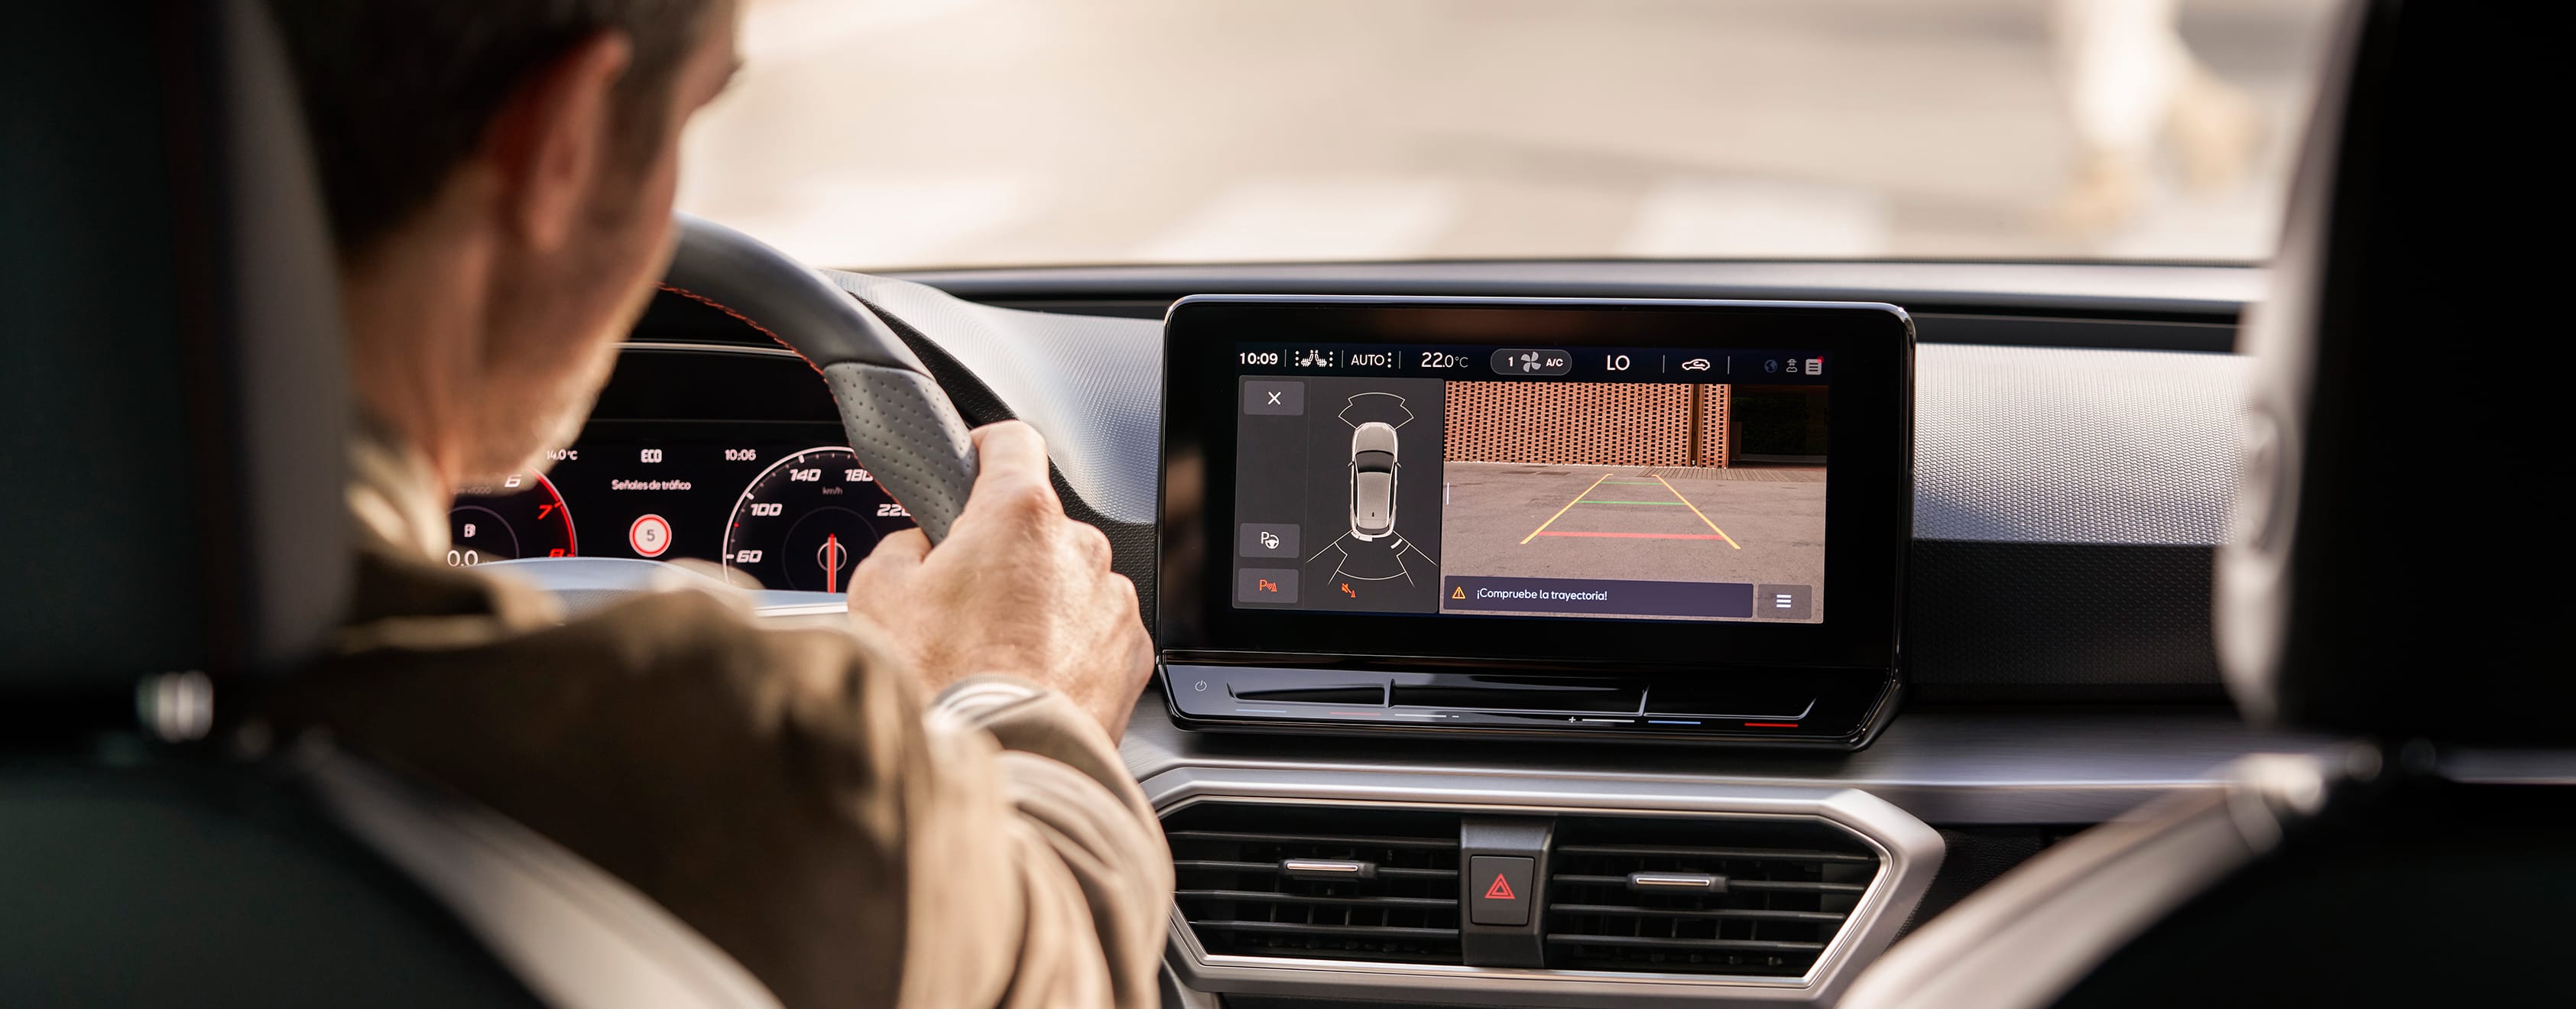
x=1594 y=499
x=1654 y=485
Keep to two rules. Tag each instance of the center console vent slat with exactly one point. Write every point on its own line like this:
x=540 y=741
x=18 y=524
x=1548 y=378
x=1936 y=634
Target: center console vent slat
x=1240 y=897
x=1352 y=841
x=1780 y=891
x=1758 y=854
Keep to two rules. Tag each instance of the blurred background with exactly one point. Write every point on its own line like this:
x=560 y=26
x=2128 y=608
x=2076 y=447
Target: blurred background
x=916 y=133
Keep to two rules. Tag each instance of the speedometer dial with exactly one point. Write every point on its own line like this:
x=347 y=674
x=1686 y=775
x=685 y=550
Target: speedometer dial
x=805 y=522
x=518 y=516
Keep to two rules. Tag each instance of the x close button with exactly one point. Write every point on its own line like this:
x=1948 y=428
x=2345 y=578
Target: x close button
x=1499 y=889
x=1274 y=399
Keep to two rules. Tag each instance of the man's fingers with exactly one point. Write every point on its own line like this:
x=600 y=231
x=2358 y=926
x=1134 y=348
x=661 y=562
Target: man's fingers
x=1090 y=544
x=887 y=571
x=1009 y=451
x=901 y=549
x=1140 y=662
x=1011 y=470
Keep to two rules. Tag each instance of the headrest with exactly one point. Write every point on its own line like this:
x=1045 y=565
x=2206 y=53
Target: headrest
x=2397 y=568
x=172 y=387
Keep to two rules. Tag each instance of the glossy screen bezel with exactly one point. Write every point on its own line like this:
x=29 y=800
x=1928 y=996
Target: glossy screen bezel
x=1869 y=503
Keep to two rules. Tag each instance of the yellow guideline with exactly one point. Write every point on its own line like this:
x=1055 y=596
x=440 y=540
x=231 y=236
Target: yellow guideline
x=1712 y=526
x=1569 y=506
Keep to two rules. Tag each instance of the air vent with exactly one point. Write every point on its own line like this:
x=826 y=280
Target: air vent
x=1758 y=898
x=1318 y=882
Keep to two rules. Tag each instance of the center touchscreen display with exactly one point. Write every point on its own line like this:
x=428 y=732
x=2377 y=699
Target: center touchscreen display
x=1482 y=486
x=1653 y=483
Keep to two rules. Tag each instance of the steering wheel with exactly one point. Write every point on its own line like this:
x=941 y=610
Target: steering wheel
x=899 y=421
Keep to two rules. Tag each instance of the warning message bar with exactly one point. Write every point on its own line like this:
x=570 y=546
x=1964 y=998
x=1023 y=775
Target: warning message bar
x=1595 y=597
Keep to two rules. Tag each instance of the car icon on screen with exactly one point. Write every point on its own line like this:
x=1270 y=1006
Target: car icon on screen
x=1372 y=480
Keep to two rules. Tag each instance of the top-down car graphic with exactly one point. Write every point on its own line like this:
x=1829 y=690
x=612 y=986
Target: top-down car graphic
x=1373 y=480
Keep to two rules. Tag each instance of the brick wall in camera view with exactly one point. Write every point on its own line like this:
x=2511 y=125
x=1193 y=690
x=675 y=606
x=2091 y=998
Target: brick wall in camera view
x=1588 y=423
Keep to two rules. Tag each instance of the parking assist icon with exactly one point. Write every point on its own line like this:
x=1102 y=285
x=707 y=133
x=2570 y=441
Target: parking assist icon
x=1373 y=469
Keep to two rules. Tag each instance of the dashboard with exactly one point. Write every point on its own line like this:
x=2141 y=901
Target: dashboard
x=2071 y=429
x=2070 y=477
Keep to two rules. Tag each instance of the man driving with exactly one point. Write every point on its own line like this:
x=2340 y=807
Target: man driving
x=923 y=807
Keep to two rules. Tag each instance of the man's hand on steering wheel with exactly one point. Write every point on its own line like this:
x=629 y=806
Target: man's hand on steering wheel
x=1016 y=588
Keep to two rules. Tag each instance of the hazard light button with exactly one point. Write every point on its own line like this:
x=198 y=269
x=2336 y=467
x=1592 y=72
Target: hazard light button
x=1499 y=889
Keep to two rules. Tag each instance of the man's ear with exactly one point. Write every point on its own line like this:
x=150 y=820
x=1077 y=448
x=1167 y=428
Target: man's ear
x=550 y=137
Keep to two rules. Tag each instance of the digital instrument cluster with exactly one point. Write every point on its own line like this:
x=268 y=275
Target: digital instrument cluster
x=780 y=504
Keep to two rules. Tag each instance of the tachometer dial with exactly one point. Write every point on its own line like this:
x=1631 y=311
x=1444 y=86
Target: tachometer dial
x=518 y=516
x=805 y=522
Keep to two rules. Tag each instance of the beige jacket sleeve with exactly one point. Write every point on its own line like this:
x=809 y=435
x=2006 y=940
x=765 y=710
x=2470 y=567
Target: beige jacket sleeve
x=787 y=792
x=1069 y=914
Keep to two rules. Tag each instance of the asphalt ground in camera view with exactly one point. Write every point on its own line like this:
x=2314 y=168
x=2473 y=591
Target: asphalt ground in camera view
x=1680 y=524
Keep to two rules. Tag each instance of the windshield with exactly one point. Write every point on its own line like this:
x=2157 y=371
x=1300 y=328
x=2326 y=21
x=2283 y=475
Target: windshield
x=914 y=133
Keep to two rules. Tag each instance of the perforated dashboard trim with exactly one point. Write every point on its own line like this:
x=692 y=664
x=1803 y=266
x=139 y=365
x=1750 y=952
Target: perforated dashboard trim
x=2052 y=445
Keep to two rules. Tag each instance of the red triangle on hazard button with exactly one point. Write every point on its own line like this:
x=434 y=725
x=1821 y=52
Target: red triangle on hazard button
x=1500 y=890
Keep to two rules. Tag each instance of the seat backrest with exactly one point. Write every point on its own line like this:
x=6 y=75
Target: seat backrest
x=2396 y=573
x=2396 y=569
x=173 y=400
x=172 y=388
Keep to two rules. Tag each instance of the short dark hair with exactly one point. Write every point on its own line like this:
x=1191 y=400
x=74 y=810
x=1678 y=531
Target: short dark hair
x=398 y=92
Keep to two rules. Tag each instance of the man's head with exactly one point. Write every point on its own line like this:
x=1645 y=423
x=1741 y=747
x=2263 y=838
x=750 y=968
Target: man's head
x=499 y=175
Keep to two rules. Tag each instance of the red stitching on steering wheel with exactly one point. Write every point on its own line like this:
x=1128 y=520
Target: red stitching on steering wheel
x=744 y=319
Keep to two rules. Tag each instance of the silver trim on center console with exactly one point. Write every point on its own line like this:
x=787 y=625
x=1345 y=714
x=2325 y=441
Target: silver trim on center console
x=1908 y=850
x=1668 y=882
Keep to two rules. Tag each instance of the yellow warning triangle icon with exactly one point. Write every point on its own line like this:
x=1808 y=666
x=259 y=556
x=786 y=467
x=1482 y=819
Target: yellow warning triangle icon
x=1458 y=593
